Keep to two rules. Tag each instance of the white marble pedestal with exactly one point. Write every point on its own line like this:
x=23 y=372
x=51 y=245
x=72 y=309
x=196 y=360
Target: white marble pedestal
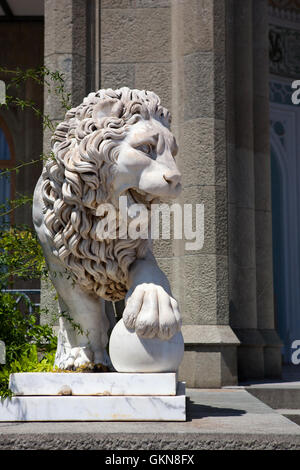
x=94 y=397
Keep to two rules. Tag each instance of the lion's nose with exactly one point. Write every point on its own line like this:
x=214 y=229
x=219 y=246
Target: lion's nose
x=173 y=178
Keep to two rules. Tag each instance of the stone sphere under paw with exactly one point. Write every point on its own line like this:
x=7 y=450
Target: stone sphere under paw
x=131 y=353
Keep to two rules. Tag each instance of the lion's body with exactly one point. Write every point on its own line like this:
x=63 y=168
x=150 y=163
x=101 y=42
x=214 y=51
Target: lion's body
x=86 y=267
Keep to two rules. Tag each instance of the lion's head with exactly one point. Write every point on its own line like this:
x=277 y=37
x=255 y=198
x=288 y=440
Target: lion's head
x=116 y=143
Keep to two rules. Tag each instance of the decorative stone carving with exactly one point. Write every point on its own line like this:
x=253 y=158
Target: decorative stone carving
x=115 y=144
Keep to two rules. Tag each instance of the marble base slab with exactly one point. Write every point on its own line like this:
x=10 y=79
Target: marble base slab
x=111 y=383
x=95 y=408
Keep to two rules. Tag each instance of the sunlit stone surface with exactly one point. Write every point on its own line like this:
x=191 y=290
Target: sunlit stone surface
x=45 y=383
x=93 y=408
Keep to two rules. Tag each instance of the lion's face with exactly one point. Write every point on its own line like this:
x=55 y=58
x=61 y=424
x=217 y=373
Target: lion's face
x=117 y=142
x=145 y=167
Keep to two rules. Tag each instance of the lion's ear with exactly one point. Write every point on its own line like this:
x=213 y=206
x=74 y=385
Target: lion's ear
x=108 y=107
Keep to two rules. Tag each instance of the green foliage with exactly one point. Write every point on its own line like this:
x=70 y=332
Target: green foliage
x=17 y=330
x=21 y=255
x=30 y=347
x=28 y=361
x=54 y=81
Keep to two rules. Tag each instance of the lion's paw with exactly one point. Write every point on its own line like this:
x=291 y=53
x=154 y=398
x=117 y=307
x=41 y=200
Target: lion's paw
x=152 y=312
x=74 y=358
x=82 y=357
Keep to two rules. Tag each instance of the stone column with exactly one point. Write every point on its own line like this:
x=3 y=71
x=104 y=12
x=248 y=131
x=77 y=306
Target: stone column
x=251 y=284
x=263 y=210
x=243 y=312
x=177 y=49
x=200 y=110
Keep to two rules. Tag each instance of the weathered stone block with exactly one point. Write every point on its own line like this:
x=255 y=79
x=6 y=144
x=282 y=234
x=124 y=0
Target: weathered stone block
x=242 y=300
x=157 y=78
x=250 y=353
x=148 y=29
x=241 y=177
x=272 y=353
x=68 y=34
x=205 y=280
x=153 y=3
x=241 y=221
x=198 y=25
x=163 y=248
x=204 y=152
x=262 y=181
x=210 y=356
x=71 y=66
x=198 y=85
x=264 y=269
x=116 y=75
x=118 y=4
x=212 y=226
x=174 y=270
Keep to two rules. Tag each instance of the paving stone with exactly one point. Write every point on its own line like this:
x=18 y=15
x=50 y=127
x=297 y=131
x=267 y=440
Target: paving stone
x=216 y=419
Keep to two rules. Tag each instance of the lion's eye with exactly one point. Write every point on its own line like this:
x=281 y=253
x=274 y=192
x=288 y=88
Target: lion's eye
x=145 y=148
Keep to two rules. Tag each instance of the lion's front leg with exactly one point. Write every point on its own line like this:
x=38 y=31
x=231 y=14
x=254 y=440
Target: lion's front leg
x=150 y=308
x=82 y=336
x=83 y=324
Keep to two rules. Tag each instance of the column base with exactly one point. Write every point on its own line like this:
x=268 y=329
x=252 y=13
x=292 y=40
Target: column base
x=210 y=356
x=272 y=354
x=250 y=354
x=259 y=355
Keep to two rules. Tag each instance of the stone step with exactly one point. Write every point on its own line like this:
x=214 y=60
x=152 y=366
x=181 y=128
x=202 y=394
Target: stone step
x=110 y=383
x=293 y=415
x=95 y=408
x=217 y=419
x=277 y=396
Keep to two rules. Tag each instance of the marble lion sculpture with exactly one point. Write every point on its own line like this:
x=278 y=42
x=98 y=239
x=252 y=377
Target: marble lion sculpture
x=116 y=143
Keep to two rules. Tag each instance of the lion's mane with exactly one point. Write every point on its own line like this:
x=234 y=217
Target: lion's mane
x=78 y=179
